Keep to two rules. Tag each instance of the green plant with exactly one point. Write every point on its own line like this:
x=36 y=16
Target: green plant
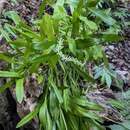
x=62 y=44
x=123 y=126
x=107 y=76
x=124 y=107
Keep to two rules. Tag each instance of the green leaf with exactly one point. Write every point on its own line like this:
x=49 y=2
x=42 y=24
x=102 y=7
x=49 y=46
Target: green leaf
x=40 y=79
x=54 y=105
x=80 y=111
x=95 y=52
x=25 y=32
x=60 y=2
x=72 y=45
x=103 y=77
x=9 y=74
x=105 y=74
x=126 y=124
x=103 y=16
x=47 y=27
x=84 y=43
x=90 y=24
x=98 y=73
x=62 y=122
x=66 y=98
x=29 y=117
x=40 y=44
x=76 y=21
x=84 y=103
x=108 y=79
x=106 y=63
x=9 y=30
x=19 y=42
x=57 y=91
x=5 y=34
x=49 y=125
x=117 y=127
x=44 y=58
x=85 y=75
x=117 y=104
x=34 y=67
x=53 y=61
x=20 y=90
x=5 y=58
x=72 y=122
x=112 y=37
x=42 y=113
x=14 y=16
x=59 y=12
x=44 y=116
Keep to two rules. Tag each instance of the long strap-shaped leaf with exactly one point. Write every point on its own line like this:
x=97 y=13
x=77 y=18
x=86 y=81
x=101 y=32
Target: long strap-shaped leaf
x=103 y=16
x=5 y=58
x=9 y=74
x=57 y=92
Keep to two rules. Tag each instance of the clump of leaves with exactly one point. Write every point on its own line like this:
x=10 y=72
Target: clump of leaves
x=63 y=43
x=124 y=98
x=107 y=76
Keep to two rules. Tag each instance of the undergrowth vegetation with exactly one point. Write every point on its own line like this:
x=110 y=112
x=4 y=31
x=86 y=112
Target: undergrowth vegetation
x=57 y=48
